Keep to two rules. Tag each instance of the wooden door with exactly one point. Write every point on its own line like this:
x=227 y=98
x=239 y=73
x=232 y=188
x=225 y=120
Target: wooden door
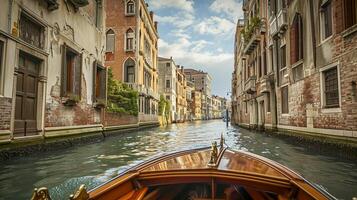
x=26 y=96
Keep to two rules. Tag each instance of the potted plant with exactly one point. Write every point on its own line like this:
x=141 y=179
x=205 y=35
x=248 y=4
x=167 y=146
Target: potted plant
x=72 y=99
x=100 y=103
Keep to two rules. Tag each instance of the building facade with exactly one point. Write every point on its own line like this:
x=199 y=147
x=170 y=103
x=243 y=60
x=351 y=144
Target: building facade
x=52 y=79
x=131 y=51
x=167 y=82
x=190 y=87
x=202 y=82
x=196 y=105
x=181 y=102
x=311 y=68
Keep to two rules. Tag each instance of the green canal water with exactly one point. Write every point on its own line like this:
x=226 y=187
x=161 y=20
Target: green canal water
x=63 y=171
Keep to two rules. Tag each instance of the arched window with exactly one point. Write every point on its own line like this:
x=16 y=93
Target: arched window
x=130 y=7
x=110 y=41
x=129 y=71
x=129 y=40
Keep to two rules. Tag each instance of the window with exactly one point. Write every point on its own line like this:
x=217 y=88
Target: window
x=147 y=49
x=110 y=41
x=167 y=83
x=129 y=70
x=31 y=32
x=350 y=13
x=71 y=72
x=168 y=64
x=284 y=100
x=326 y=20
x=147 y=78
x=167 y=97
x=296 y=39
x=130 y=7
x=331 y=88
x=129 y=40
x=98 y=13
x=100 y=82
x=283 y=72
x=1 y=65
x=268 y=102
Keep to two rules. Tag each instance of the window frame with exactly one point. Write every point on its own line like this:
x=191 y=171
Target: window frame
x=103 y=95
x=129 y=35
x=2 y=65
x=126 y=70
x=126 y=8
x=322 y=84
x=167 y=83
x=284 y=110
x=78 y=58
x=35 y=21
x=323 y=21
x=350 y=15
x=112 y=34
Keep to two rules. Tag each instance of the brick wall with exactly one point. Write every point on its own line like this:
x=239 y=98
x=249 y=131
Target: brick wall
x=57 y=114
x=119 y=23
x=116 y=119
x=5 y=113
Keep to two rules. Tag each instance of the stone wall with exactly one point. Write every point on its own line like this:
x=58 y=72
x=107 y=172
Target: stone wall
x=5 y=113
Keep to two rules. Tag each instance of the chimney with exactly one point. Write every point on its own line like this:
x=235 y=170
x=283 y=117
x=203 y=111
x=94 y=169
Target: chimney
x=152 y=15
x=155 y=24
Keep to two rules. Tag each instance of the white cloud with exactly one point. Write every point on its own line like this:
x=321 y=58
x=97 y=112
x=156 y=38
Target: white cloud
x=180 y=20
x=186 y=5
x=215 y=26
x=232 y=8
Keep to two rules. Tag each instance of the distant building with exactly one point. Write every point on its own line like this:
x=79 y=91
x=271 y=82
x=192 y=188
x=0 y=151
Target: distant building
x=181 y=102
x=196 y=105
x=202 y=81
x=167 y=82
x=131 y=51
x=190 y=87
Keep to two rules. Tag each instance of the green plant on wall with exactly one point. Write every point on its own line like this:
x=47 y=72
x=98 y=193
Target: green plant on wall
x=121 y=98
x=247 y=32
x=164 y=107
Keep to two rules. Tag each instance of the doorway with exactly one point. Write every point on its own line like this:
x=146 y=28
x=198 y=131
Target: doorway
x=26 y=96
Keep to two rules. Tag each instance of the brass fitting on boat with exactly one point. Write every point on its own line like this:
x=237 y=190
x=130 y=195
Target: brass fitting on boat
x=214 y=155
x=41 y=194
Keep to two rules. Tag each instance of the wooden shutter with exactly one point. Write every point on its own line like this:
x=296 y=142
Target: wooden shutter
x=78 y=75
x=103 y=82
x=64 y=71
x=300 y=40
x=94 y=99
x=293 y=42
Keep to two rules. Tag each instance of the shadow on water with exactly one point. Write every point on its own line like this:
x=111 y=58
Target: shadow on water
x=64 y=170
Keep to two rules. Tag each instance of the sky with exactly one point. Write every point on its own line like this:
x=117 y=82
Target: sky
x=199 y=34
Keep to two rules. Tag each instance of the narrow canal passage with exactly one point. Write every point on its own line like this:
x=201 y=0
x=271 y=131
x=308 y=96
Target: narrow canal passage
x=64 y=170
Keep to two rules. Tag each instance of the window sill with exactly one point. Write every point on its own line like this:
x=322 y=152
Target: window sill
x=349 y=31
x=285 y=115
x=129 y=50
x=129 y=14
x=331 y=110
x=325 y=40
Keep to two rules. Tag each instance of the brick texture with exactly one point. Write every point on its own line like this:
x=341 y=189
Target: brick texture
x=5 y=113
x=115 y=119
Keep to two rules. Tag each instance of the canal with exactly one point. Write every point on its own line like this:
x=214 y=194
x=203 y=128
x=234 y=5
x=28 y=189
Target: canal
x=63 y=171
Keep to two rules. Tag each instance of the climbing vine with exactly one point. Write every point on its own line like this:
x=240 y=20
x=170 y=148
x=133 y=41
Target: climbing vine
x=121 y=98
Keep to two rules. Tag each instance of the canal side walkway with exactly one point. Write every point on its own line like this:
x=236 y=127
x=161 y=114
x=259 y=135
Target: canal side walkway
x=63 y=137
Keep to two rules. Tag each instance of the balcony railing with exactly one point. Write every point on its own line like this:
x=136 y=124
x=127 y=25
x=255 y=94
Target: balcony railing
x=282 y=20
x=152 y=93
x=249 y=86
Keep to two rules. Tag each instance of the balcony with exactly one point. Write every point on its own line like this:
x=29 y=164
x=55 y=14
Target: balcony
x=273 y=26
x=150 y=92
x=252 y=34
x=135 y=86
x=249 y=86
x=264 y=85
x=282 y=21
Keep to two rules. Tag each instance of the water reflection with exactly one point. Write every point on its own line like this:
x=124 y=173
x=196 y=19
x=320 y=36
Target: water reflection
x=64 y=170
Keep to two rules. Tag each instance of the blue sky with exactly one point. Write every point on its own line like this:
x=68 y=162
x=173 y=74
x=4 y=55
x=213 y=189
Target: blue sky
x=199 y=34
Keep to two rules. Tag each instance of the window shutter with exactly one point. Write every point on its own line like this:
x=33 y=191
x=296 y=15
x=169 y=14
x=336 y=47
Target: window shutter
x=293 y=38
x=300 y=41
x=94 y=99
x=64 y=71
x=78 y=75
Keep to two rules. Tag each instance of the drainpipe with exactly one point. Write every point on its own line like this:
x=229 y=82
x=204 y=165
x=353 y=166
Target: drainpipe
x=313 y=37
x=9 y=16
